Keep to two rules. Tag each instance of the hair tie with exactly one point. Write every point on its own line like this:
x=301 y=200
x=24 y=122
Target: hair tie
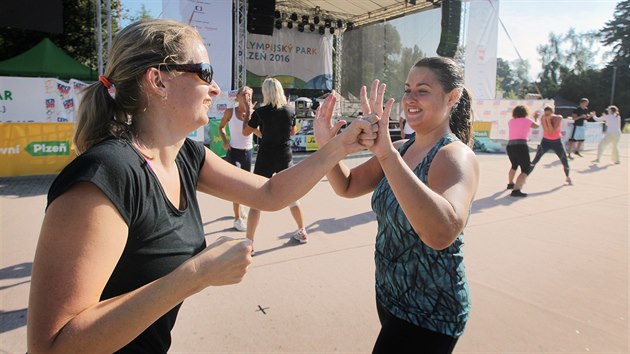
x=111 y=89
x=104 y=81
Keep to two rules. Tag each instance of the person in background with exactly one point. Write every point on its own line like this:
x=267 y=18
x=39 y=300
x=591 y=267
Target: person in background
x=552 y=140
x=239 y=147
x=111 y=275
x=422 y=191
x=406 y=132
x=517 y=149
x=275 y=119
x=612 y=135
x=580 y=115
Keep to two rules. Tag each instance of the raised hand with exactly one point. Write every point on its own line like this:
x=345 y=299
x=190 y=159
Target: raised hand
x=378 y=114
x=323 y=129
x=537 y=114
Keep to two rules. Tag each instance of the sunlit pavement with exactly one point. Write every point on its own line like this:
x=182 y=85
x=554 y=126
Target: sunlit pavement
x=548 y=273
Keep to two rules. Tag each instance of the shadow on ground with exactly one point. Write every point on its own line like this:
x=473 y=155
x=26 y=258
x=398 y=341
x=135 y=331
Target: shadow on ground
x=25 y=186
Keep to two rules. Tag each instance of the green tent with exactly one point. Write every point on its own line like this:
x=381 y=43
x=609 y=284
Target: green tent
x=46 y=60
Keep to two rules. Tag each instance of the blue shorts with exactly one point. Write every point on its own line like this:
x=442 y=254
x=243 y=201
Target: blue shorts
x=240 y=158
x=578 y=133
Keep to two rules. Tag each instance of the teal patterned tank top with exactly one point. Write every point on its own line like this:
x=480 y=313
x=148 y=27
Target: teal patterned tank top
x=416 y=283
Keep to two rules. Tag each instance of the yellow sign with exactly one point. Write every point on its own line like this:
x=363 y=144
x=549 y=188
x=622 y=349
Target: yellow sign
x=28 y=149
x=482 y=129
x=311 y=145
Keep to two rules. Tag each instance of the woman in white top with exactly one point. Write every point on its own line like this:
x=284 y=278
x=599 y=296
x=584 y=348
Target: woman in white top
x=613 y=133
x=239 y=147
x=406 y=131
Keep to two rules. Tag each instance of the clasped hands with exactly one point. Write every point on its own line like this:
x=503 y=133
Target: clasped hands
x=368 y=131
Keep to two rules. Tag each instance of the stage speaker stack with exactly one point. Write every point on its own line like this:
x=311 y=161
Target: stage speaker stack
x=261 y=16
x=451 y=20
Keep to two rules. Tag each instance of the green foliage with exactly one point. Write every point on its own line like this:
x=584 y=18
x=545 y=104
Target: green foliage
x=571 y=53
x=616 y=32
x=399 y=70
x=370 y=52
x=568 y=69
x=596 y=85
x=512 y=78
x=77 y=39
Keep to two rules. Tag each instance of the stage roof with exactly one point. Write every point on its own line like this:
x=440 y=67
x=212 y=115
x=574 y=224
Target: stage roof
x=359 y=12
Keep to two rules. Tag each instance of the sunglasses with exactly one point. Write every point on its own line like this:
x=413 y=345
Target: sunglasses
x=203 y=70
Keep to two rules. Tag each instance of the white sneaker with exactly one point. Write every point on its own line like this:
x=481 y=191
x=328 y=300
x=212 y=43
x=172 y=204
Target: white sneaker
x=301 y=235
x=239 y=225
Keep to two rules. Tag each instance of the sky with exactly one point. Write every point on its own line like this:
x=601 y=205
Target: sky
x=528 y=23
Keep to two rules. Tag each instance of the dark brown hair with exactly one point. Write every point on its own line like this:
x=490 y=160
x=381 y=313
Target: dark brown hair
x=451 y=76
x=520 y=111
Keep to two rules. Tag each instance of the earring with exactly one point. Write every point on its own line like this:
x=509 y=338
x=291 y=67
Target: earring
x=164 y=98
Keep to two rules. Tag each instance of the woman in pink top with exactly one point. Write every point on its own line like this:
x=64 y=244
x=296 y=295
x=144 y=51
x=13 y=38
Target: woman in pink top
x=552 y=139
x=517 y=149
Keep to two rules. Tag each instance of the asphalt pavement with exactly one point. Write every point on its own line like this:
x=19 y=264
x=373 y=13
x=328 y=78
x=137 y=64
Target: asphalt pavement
x=548 y=273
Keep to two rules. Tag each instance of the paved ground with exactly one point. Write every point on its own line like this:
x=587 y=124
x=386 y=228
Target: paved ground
x=548 y=273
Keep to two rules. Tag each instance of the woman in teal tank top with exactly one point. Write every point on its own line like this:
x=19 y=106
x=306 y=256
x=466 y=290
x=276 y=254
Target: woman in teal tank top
x=422 y=193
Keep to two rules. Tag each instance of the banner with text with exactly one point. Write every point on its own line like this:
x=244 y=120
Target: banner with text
x=28 y=149
x=297 y=59
x=25 y=99
x=499 y=112
x=220 y=103
x=213 y=20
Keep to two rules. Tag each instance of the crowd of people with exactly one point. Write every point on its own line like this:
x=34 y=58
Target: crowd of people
x=112 y=275
x=519 y=127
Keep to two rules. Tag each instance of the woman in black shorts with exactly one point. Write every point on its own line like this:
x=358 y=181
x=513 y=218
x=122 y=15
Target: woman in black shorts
x=276 y=121
x=517 y=148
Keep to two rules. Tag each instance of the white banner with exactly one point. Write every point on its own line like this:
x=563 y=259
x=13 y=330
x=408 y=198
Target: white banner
x=213 y=20
x=297 y=59
x=24 y=99
x=481 y=48
x=499 y=112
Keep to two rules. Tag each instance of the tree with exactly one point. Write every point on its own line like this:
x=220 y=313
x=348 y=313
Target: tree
x=553 y=65
x=140 y=14
x=77 y=39
x=369 y=52
x=616 y=32
x=505 y=79
x=400 y=68
x=581 y=54
x=566 y=55
x=512 y=78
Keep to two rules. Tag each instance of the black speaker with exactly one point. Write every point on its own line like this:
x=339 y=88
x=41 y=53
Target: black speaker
x=34 y=15
x=451 y=21
x=261 y=16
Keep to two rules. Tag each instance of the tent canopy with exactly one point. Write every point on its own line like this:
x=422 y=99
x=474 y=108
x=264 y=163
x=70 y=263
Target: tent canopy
x=46 y=60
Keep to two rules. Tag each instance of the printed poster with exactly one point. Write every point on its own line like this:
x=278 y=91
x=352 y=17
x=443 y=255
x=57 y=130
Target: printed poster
x=298 y=60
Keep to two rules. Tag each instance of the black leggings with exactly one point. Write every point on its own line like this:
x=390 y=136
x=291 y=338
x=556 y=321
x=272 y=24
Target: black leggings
x=401 y=337
x=557 y=147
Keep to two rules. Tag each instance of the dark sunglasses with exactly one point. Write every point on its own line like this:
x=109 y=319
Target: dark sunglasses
x=203 y=70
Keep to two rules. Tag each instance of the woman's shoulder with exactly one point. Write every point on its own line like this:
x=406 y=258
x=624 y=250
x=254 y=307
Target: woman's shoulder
x=456 y=151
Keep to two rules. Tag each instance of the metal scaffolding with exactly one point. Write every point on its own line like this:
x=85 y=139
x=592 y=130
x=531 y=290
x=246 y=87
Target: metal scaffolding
x=240 y=47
